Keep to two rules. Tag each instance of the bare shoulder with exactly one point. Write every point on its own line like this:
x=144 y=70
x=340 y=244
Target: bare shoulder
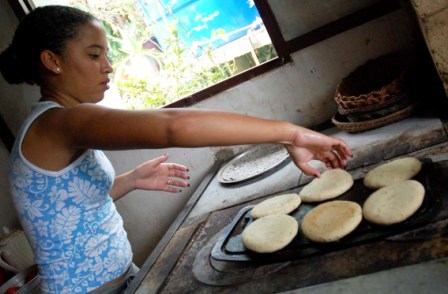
x=47 y=143
x=82 y=118
x=100 y=127
x=60 y=135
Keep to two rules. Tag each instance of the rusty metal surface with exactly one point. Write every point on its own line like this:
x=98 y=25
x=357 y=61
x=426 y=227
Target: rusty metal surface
x=415 y=247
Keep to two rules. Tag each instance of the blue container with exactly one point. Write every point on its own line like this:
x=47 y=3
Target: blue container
x=202 y=23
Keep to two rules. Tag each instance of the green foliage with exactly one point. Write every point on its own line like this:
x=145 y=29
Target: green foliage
x=178 y=77
x=152 y=78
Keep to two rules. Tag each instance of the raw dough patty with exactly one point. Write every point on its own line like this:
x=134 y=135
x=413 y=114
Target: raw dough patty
x=270 y=233
x=394 y=203
x=398 y=170
x=330 y=221
x=331 y=184
x=281 y=204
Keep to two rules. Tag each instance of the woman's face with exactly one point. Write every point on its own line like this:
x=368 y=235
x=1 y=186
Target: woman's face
x=84 y=65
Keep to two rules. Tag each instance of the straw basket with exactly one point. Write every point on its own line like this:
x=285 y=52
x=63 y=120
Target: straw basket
x=374 y=85
x=341 y=121
x=375 y=94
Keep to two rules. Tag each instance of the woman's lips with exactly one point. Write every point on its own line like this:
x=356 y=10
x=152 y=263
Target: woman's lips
x=106 y=84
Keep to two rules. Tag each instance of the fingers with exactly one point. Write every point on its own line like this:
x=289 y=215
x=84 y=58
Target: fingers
x=176 y=172
x=331 y=161
x=338 y=156
x=342 y=149
x=179 y=174
x=334 y=160
x=161 y=159
x=178 y=167
x=177 y=183
x=173 y=185
x=308 y=170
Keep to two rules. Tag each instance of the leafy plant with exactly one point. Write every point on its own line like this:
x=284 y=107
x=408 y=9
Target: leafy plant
x=151 y=78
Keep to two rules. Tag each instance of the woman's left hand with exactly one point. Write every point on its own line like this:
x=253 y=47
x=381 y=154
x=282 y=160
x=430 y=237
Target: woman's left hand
x=157 y=174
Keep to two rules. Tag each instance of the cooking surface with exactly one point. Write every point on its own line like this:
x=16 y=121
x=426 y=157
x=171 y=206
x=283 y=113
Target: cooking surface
x=230 y=247
x=198 y=274
x=181 y=263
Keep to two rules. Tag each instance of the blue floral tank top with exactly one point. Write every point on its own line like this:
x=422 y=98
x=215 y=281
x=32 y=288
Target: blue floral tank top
x=72 y=224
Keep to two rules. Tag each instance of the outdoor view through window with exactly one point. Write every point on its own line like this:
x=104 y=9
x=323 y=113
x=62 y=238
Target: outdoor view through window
x=164 y=50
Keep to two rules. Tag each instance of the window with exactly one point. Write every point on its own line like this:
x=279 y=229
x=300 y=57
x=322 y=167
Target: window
x=228 y=68
x=168 y=51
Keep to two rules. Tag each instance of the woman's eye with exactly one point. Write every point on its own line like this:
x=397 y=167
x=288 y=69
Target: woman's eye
x=94 y=56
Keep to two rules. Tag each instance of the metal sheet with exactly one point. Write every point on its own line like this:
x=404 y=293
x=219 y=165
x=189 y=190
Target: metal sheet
x=252 y=163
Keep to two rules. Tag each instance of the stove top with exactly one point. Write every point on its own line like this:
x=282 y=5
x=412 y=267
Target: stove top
x=197 y=272
x=230 y=247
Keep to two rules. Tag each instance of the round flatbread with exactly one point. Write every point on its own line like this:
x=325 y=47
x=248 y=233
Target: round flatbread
x=395 y=171
x=331 y=221
x=394 y=203
x=270 y=233
x=281 y=204
x=331 y=184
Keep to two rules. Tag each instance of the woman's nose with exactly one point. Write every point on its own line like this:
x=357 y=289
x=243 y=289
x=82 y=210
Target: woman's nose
x=108 y=66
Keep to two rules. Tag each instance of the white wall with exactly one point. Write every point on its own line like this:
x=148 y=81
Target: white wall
x=301 y=92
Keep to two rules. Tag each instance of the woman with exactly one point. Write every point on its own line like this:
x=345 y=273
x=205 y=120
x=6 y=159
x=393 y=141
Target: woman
x=64 y=187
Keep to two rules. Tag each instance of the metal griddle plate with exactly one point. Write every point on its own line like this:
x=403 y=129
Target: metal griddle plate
x=254 y=162
x=231 y=248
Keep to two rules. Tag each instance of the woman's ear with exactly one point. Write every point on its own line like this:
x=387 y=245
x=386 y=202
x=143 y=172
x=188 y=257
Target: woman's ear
x=50 y=61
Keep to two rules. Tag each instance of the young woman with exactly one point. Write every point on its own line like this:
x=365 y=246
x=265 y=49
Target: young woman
x=63 y=185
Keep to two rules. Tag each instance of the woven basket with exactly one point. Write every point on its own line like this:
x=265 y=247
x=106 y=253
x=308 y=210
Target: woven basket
x=402 y=103
x=373 y=85
x=355 y=127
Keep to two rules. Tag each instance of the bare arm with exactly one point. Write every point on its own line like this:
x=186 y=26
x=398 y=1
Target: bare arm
x=97 y=127
x=92 y=126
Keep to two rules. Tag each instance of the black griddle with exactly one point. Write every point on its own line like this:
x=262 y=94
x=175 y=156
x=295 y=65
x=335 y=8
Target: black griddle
x=230 y=247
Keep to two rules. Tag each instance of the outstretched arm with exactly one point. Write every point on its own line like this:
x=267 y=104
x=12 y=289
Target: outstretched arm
x=93 y=126
x=154 y=174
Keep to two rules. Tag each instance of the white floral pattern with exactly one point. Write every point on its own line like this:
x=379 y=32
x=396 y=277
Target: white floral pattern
x=71 y=221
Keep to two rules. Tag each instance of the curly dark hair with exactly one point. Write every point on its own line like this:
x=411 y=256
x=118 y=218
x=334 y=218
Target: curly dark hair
x=45 y=28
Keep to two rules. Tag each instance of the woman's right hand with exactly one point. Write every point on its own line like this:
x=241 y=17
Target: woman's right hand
x=310 y=145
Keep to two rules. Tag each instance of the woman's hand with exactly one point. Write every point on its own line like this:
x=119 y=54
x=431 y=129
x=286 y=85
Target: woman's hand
x=309 y=145
x=156 y=174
